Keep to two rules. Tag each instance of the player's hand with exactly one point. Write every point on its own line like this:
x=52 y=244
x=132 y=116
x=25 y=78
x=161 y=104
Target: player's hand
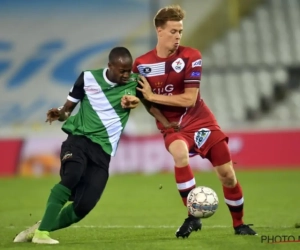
x=129 y=102
x=172 y=125
x=52 y=115
x=145 y=88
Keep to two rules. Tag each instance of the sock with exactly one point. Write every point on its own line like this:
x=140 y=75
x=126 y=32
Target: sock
x=185 y=181
x=65 y=218
x=58 y=197
x=235 y=202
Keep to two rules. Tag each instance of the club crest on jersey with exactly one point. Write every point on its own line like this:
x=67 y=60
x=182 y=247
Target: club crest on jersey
x=197 y=63
x=133 y=79
x=178 y=65
x=128 y=92
x=201 y=136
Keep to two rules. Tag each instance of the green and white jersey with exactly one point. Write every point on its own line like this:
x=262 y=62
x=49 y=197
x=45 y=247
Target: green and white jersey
x=101 y=117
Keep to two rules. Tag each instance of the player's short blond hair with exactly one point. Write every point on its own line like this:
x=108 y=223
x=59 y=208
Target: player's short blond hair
x=168 y=13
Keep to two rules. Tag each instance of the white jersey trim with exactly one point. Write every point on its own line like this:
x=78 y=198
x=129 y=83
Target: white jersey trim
x=72 y=99
x=191 y=80
x=106 y=79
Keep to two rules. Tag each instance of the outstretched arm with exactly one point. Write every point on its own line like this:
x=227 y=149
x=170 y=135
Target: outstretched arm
x=62 y=113
x=76 y=94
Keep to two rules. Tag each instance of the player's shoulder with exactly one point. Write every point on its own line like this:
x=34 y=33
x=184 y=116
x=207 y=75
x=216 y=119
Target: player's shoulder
x=134 y=77
x=188 y=51
x=146 y=56
x=93 y=71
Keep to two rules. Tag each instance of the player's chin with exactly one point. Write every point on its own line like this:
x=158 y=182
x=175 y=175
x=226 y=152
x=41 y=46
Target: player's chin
x=124 y=80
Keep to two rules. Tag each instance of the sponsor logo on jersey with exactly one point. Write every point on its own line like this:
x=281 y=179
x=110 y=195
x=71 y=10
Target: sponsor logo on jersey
x=195 y=73
x=197 y=63
x=152 y=69
x=201 y=136
x=162 y=89
x=178 y=65
x=91 y=90
x=147 y=70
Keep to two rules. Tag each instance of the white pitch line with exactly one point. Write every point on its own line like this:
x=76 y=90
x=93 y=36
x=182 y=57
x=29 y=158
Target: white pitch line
x=139 y=226
x=128 y=227
x=153 y=226
x=167 y=226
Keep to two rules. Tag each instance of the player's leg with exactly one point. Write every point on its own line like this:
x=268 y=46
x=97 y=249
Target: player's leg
x=88 y=191
x=178 y=147
x=219 y=156
x=67 y=215
x=73 y=164
x=86 y=197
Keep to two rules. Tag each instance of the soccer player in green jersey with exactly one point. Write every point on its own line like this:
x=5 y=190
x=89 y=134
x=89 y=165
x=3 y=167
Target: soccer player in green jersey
x=106 y=97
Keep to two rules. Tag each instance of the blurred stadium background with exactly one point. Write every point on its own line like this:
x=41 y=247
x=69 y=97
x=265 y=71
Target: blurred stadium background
x=251 y=77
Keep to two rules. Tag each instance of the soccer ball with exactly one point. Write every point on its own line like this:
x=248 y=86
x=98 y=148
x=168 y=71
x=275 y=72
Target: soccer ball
x=202 y=202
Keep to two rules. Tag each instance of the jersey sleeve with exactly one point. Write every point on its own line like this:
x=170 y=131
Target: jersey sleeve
x=77 y=93
x=193 y=70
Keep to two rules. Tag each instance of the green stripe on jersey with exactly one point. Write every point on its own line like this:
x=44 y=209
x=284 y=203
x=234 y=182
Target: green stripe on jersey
x=101 y=117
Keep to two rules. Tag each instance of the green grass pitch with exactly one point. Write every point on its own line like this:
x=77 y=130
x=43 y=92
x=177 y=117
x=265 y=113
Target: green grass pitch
x=134 y=213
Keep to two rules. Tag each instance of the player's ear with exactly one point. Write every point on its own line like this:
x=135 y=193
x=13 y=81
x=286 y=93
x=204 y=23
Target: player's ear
x=159 y=31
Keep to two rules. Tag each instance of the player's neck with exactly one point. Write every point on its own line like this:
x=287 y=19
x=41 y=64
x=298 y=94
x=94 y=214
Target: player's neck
x=109 y=77
x=163 y=52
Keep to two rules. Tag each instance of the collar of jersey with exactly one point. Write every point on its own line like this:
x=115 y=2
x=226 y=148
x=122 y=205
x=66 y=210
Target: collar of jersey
x=113 y=84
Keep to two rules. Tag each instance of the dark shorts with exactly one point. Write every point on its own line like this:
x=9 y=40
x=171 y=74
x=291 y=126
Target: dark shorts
x=85 y=166
x=85 y=151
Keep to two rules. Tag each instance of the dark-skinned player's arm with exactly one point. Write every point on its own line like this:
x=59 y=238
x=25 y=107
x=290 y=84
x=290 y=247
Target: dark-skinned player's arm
x=76 y=94
x=191 y=82
x=155 y=112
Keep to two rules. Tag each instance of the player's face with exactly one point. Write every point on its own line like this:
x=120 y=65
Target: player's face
x=170 y=34
x=120 y=70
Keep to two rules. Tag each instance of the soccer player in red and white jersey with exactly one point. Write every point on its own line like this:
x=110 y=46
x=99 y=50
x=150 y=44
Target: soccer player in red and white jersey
x=170 y=81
